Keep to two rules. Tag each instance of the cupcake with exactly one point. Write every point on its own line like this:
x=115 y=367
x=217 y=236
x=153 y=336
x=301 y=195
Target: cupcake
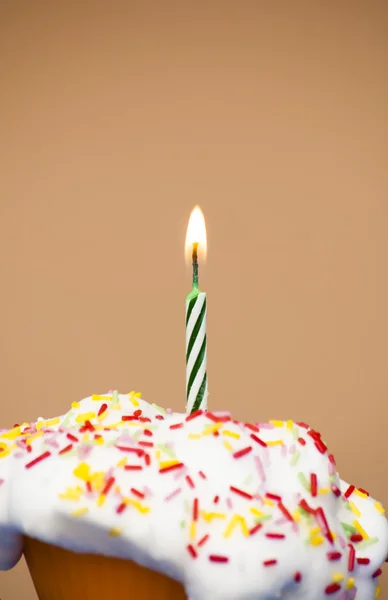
x=120 y=498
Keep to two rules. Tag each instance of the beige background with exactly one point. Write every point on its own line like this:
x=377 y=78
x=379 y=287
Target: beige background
x=116 y=118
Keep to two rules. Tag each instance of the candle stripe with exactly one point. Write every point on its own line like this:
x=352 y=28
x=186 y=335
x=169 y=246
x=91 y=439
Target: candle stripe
x=196 y=353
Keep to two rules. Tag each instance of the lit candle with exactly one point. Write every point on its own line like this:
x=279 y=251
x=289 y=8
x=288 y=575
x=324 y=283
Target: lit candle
x=196 y=345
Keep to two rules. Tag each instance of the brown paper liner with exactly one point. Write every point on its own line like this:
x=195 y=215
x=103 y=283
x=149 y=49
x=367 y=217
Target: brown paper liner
x=59 y=574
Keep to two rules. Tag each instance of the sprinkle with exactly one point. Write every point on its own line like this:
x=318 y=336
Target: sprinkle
x=216 y=499
x=79 y=512
x=363 y=561
x=146 y=444
x=356 y=537
x=313 y=484
x=275 y=443
x=103 y=408
x=334 y=555
x=301 y=441
x=252 y=427
x=377 y=573
x=275 y=536
x=355 y=510
x=190 y=481
x=285 y=512
x=96 y=398
x=38 y=459
x=337 y=577
x=212 y=515
x=349 y=491
x=75 y=405
x=85 y=417
x=173 y=494
x=202 y=474
x=137 y=451
x=115 y=531
x=115 y=397
x=133 y=468
x=258 y=440
x=320 y=446
x=203 y=540
x=332 y=588
x=324 y=524
x=303 y=480
x=170 y=467
x=379 y=508
x=277 y=423
x=108 y=486
x=240 y=492
x=52 y=422
x=192 y=551
x=270 y=563
x=255 y=528
x=361 y=530
x=148 y=432
x=193 y=530
x=351 y=558
x=295 y=458
x=298 y=577
x=121 y=507
x=66 y=449
x=362 y=493
x=218 y=558
x=176 y=426
x=366 y=543
x=194 y=436
x=242 y=452
x=228 y=446
x=194 y=415
x=231 y=434
x=273 y=497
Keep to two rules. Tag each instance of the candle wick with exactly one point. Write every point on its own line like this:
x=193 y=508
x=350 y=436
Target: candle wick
x=195 y=265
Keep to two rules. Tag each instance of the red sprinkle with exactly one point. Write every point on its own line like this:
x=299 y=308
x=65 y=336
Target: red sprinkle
x=326 y=529
x=377 y=573
x=203 y=540
x=103 y=408
x=195 y=509
x=38 y=459
x=301 y=441
x=301 y=424
x=363 y=491
x=252 y=427
x=108 y=486
x=190 y=481
x=192 y=551
x=121 y=507
x=332 y=588
x=171 y=468
x=273 y=497
x=137 y=451
x=298 y=577
x=147 y=444
x=202 y=474
x=351 y=558
x=320 y=446
x=71 y=437
x=269 y=563
x=218 y=558
x=285 y=512
x=356 y=537
x=147 y=459
x=194 y=415
x=331 y=459
x=87 y=427
x=160 y=417
x=275 y=536
x=258 y=440
x=66 y=449
x=89 y=486
x=314 y=484
x=334 y=555
x=133 y=468
x=349 y=491
x=144 y=420
x=242 y=452
x=216 y=499
x=240 y=492
x=336 y=491
x=137 y=493
x=363 y=561
x=129 y=418
x=303 y=504
x=148 y=432
x=256 y=528
x=176 y=426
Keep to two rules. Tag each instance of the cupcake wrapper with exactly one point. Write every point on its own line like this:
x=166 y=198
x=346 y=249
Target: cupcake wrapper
x=59 y=574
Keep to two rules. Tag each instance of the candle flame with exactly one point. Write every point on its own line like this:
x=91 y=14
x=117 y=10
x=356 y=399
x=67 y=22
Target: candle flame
x=196 y=234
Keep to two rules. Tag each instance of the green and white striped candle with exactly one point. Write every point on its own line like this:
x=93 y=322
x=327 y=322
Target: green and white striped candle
x=196 y=343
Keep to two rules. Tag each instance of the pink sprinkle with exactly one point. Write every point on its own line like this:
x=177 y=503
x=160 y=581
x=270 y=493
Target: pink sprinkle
x=266 y=425
x=2 y=481
x=229 y=504
x=173 y=494
x=283 y=450
x=242 y=452
x=218 y=558
x=259 y=467
x=202 y=474
x=270 y=563
x=38 y=459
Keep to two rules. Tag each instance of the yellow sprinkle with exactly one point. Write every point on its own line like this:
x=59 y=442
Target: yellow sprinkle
x=317 y=540
x=268 y=502
x=212 y=515
x=96 y=397
x=350 y=583
x=97 y=481
x=378 y=590
x=12 y=434
x=79 y=512
x=99 y=441
x=85 y=438
x=290 y=424
x=324 y=491
x=157 y=455
x=115 y=531
x=361 y=530
x=103 y=416
x=194 y=436
x=71 y=493
x=193 y=530
x=51 y=422
x=75 y=405
x=337 y=577
x=82 y=471
x=315 y=530
x=137 y=505
x=379 y=507
x=256 y=512
x=117 y=424
x=85 y=417
x=122 y=462
x=333 y=535
x=212 y=428
x=277 y=423
x=228 y=446
x=236 y=519
x=34 y=437
x=117 y=489
x=275 y=443
x=39 y=425
x=231 y=434
x=168 y=463
x=355 y=510
x=101 y=500
x=361 y=494
x=296 y=516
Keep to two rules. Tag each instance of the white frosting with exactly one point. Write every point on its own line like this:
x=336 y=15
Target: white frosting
x=155 y=527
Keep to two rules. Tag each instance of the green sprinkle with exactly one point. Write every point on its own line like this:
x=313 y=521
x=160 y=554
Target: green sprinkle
x=159 y=408
x=295 y=458
x=263 y=518
x=182 y=524
x=295 y=432
x=366 y=543
x=67 y=418
x=166 y=450
x=303 y=480
x=115 y=399
x=349 y=529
